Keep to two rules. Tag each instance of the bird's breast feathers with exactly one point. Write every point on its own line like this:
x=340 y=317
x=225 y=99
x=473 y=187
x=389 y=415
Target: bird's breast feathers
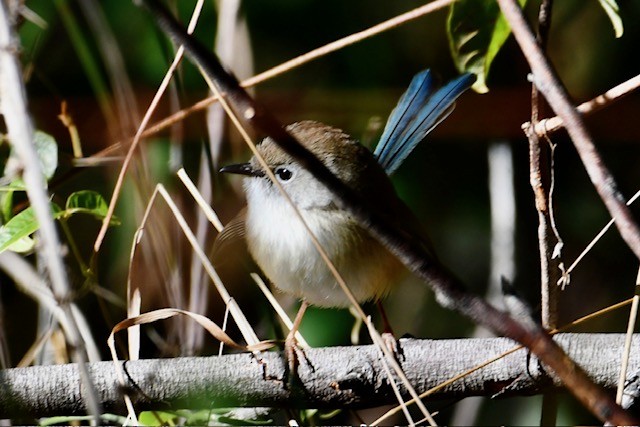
x=282 y=247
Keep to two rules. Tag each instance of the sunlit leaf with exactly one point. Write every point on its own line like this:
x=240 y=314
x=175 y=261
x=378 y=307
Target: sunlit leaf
x=25 y=224
x=22 y=246
x=22 y=225
x=477 y=30
x=6 y=205
x=613 y=11
x=15 y=185
x=157 y=418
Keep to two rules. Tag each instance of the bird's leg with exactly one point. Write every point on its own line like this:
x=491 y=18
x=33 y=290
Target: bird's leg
x=291 y=344
x=388 y=337
x=385 y=319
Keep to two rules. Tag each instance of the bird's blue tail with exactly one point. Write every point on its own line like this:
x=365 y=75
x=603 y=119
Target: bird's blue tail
x=419 y=110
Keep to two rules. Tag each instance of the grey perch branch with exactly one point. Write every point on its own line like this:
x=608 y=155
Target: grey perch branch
x=336 y=377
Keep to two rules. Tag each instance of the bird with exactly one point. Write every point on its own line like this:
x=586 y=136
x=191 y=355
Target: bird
x=276 y=237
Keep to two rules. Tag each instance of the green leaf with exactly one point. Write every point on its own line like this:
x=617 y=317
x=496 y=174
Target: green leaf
x=47 y=150
x=22 y=225
x=477 y=30
x=6 y=206
x=88 y=202
x=22 y=246
x=157 y=418
x=15 y=185
x=613 y=11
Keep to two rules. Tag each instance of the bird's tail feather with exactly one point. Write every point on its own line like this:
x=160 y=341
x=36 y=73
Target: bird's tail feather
x=419 y=110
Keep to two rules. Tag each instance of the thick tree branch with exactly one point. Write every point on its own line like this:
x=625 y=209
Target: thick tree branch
x=408 y=248
x=335 y=377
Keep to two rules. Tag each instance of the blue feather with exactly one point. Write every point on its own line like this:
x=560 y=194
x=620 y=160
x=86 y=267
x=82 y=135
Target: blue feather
x=419 y=110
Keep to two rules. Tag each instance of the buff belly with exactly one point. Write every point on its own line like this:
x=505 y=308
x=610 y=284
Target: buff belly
x=286 y=254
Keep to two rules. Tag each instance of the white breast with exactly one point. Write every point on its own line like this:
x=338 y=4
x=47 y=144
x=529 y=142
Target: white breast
x=282 y=247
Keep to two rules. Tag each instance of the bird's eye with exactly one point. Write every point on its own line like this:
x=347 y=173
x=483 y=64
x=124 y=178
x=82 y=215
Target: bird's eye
x=284 y=174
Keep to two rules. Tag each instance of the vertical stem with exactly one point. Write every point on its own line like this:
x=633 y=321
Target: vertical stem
x=556 y=94
x=541 y=176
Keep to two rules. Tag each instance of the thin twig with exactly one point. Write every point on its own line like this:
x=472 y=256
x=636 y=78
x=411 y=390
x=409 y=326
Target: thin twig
x=550 y=85
x=278 y=309
x=566 y=274
x=393 y=383
x=540 y=173
x=552 y=124
x=208 y=211
x=288 y=66
x=140 y=133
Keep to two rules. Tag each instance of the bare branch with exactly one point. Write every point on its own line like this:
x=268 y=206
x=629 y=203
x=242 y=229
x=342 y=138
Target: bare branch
x=549 y=84
x=334 y=377
x=552 y=124
x=541 y=179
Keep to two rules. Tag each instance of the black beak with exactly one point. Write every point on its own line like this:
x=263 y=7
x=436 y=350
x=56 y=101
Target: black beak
x=242 y=169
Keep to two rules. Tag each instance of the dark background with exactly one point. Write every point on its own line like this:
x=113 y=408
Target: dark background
x=444 y=181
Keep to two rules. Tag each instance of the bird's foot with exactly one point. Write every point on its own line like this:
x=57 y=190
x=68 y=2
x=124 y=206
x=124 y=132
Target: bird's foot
x=393 y=345
x=294 y=354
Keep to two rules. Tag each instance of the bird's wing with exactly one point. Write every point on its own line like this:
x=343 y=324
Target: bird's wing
x=230 y=234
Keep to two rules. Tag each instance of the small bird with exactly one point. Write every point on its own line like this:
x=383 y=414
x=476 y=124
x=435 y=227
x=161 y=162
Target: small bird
x=277 y=239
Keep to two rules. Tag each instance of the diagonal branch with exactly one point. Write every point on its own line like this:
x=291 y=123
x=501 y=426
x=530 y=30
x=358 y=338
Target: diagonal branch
x=547 y=81
x=288 y=65
x=408 y=248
